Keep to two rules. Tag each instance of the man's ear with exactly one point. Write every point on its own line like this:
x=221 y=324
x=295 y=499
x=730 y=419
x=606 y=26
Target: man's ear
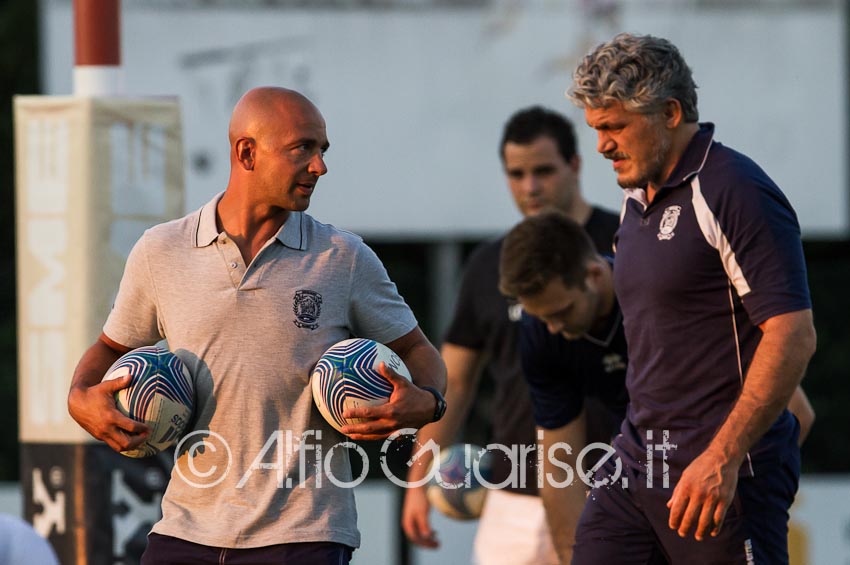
x=673 y=113
x=245 y=149
x=594 y=273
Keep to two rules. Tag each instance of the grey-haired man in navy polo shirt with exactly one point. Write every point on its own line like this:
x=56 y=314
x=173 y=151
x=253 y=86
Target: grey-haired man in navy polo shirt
x=711 y=280
x=573 y=350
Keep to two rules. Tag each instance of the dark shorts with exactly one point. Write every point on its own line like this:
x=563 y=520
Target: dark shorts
x=628 y=526
x=166 y=550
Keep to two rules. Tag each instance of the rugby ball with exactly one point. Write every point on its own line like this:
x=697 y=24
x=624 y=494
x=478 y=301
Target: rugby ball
x=161 y=395
x=455 y=489
x=347 y=376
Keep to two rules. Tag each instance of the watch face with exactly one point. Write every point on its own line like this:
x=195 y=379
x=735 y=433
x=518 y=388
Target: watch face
x=441 y=407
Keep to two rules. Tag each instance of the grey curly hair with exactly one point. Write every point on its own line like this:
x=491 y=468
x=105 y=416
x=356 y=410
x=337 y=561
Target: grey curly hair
x=639 y=71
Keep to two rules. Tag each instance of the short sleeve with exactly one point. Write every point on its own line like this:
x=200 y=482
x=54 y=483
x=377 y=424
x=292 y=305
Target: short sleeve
x=376 y=310
x=759 y=243
x=133 y=321
x=470 y=324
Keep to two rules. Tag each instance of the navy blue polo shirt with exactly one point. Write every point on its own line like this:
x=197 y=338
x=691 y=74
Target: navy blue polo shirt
x=715 y=254
x=563 y=373
x=487 y=322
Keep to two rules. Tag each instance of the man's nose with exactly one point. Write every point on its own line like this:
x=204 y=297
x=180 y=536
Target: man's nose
x=317 y=165
x=531 y=184
x=604 y=143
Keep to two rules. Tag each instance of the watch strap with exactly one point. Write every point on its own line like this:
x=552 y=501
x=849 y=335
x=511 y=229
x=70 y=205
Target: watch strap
x=440 y=407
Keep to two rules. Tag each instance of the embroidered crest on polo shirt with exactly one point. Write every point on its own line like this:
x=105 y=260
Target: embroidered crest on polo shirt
x=307 y=306
x=668 y=222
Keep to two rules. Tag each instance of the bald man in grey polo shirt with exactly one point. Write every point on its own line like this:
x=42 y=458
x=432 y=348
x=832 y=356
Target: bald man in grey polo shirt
x=223 y=285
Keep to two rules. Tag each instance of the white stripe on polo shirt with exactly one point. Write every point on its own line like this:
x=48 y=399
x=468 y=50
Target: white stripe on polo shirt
x=715 y=237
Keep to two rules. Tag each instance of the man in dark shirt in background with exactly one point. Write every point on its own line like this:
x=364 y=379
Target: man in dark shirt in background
x=542 y=166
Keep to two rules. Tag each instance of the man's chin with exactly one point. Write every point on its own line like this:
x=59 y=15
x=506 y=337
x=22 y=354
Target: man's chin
x=301 y=204
x=628 y=182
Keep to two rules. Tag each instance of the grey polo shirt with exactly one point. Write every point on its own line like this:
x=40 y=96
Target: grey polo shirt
x=258 y=466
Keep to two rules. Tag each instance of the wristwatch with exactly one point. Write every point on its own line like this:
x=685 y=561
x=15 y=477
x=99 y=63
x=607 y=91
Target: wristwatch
x=440 y=408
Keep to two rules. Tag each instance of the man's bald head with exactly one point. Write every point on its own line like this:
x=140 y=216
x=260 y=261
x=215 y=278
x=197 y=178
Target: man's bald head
x=263 y=106
x=277 y=146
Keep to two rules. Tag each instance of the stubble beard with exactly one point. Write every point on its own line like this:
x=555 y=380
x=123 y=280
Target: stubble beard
x=654 y=168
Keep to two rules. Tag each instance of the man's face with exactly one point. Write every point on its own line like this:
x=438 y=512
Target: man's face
x=538 y=176
x=570 y=312
x=638 y=144
x=290 y=156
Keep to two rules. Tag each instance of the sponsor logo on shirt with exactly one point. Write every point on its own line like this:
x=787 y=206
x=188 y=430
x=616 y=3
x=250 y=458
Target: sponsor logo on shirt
x=307 y=306
x=514 y=312
x=613 y=362
x=668 y=222
x=748 y=551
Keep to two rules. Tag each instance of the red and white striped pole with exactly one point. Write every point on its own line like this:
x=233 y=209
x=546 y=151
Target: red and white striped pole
x=97 y=48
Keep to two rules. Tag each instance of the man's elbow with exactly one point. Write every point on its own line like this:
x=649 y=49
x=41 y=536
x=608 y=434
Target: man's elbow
x=808 y=340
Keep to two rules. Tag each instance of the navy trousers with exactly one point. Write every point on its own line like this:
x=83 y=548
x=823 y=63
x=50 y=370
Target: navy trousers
x=166 y=550
x=628 y=526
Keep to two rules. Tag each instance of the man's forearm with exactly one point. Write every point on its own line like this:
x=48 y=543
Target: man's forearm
x=96 y=361
x=563 y=505
x=778 y=365
x=463 y=371
x=563 y=499
x=421 y=358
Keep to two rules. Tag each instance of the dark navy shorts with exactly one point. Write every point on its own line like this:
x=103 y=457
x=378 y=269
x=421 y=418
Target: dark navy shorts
x=629 y=526
x=167 y=550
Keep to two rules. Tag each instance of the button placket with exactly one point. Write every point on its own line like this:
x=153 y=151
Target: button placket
x=232 y=259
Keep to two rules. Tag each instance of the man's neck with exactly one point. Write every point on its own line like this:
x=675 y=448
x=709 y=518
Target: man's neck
x=580 y=211
x=248 y=225
x=679 y=144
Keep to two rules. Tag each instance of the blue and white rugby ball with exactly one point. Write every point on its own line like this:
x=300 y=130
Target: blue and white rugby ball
x=161 y=395
x=347 y=376
x=455 y=489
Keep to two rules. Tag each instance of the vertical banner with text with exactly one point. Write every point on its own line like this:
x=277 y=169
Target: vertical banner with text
x=92 y=174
